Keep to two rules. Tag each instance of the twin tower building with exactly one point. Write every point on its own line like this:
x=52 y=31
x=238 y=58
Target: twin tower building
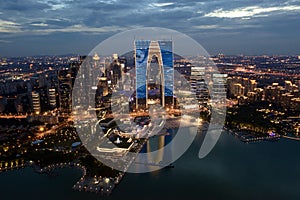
x=154 y=70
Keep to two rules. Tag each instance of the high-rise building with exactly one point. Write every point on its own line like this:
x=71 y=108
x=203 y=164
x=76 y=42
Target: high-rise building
x=115 y=71
x=52 y=98
x=219 y=87
x=160 y=55
x=96 y=67
x=252 y=85
x=36 y=105
x=44 y=99
x=238 y=90
x=102 y=86
x=198 y=84
x=290 y=87
x=273 y=93
x=65 y=89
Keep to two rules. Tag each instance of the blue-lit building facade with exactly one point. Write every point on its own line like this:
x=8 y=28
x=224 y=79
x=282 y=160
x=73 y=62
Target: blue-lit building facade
x=144 y=51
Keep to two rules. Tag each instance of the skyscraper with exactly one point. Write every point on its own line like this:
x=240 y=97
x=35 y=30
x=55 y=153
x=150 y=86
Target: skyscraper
x=219 y=87
x=52 y=98
x=65 y=89
x=36 y=105
x=198 y=84
x=159 y=52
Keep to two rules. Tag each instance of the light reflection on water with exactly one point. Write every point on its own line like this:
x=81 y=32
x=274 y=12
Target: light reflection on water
x=235 y=170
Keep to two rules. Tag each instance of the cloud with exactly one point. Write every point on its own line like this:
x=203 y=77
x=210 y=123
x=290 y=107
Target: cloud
x=81 y=28
x=5 y=41
x=64 y=20
x=251 y=11
x=23 y=6
x=56 y=4
x=39 y=24
x=161 y=4
x=9 y=27
x=229 y=28
x=207 y=26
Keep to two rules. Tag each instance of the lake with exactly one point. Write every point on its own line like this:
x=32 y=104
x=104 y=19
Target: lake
x=232 y=170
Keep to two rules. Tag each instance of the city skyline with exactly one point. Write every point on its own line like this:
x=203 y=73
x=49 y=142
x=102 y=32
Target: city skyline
x=39 y=129
x=190 y=99
x=230 y=27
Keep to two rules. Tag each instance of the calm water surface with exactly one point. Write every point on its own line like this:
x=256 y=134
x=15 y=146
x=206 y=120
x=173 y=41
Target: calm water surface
x=233 y=170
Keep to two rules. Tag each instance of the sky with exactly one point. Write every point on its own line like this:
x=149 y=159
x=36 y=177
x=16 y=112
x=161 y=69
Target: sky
x=56 y=27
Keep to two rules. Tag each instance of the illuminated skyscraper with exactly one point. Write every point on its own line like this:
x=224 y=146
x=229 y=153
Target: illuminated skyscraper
x=65 y=89
x=36 y=105
x=219 y=87
x=52 y=98
x=147 y=52
x=198 y=84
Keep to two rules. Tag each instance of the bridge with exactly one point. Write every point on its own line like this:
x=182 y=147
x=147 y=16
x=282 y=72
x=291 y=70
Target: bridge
x=291 y=138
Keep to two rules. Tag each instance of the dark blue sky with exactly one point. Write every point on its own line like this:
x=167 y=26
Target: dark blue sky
x=30 y=27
